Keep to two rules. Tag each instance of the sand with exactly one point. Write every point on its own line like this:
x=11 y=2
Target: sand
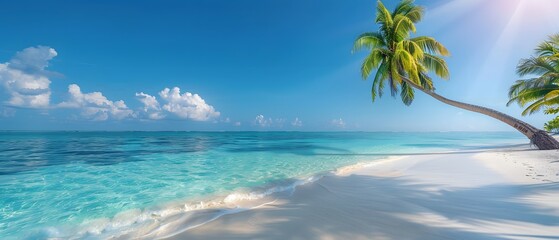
x=499 y=194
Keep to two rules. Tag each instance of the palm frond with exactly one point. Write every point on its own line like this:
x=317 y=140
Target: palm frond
x=534 y=107
x=394 y=73
x=393 y=85
x=534 y=65
x=409 y=10
x=430 y=45
x=407 y=64
x=383 y=15
x=549 y=47
x=554 y=39
x=378 y=82
x=415 y=14
x=402 y=7
x=552 y=95
x=426 y=81
x=407 y=94
x=551 y=110
x=533 y=83
x=531 y=94
x=368 y=40
x=371 y=62
x=437 y=65
x=413 y=48
x=551 y=77
x=403 y=26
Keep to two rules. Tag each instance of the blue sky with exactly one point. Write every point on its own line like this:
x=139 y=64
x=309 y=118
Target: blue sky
x=248 y=64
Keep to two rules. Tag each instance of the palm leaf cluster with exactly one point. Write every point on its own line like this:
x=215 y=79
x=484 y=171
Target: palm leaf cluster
x=396 y=56
x=541 y=91
x=552 y=126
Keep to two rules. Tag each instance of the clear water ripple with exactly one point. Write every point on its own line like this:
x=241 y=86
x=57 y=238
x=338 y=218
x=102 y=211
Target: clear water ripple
x=51 y=181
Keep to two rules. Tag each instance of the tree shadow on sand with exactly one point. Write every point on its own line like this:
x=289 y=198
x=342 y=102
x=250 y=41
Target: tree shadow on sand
x=367 y=207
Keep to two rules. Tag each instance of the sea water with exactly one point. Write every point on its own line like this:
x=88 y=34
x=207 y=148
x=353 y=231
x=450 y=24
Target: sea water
x=97 y=184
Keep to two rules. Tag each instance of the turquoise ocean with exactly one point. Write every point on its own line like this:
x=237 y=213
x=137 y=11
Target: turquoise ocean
x=96 y=185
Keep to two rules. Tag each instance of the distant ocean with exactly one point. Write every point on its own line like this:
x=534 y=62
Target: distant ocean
x=96 y=184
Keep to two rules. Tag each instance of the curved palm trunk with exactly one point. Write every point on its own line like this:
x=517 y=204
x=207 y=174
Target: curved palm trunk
x=538 y=137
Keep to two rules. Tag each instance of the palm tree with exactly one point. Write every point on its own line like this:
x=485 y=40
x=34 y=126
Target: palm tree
x=403 y=63
x=543 y=90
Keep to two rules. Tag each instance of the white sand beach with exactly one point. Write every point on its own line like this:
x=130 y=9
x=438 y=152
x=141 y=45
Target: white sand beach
x=498 y=194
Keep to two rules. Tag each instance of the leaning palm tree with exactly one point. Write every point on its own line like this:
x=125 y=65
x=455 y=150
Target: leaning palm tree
x=543 y=90
x=403 y=63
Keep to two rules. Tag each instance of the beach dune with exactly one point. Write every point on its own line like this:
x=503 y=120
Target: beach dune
x=499 y=194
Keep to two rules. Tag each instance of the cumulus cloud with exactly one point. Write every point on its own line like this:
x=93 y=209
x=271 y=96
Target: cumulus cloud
x=297 y=123
x=338 y=123
x=264 y=122
x=25 y=79
x=95 y=106
x=261 y=121
x=152 y=109
x=185 y=106
x=33 y=60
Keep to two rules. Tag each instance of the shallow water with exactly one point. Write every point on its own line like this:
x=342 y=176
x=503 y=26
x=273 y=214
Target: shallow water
x=53 y=182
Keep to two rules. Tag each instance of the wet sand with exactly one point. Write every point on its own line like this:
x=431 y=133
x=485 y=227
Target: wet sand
x=498 y=194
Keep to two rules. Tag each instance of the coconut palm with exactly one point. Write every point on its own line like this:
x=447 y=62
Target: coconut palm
x=543 y=90
x=403 y=62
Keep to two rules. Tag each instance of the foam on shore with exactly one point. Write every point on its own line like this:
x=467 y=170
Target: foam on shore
x=452 y=196
x=178 y=219
x=180 y=216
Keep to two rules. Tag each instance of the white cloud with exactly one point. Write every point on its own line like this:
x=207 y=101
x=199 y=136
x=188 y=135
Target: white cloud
x=186 y=105
x=297 y=123
x=27 y=83
x=96 y=106
x=152 y=109
x=33 y=60
x=237 y=124
x=261 y=121
x=338 y=123
x=264 y=122
x=25 y=79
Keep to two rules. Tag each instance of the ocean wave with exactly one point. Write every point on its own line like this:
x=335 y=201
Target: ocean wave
x=174 y=218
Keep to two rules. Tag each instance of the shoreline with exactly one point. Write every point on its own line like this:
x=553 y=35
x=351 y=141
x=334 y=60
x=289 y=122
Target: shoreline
x=179 y=219
x=378 y=201
x=146 y=223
